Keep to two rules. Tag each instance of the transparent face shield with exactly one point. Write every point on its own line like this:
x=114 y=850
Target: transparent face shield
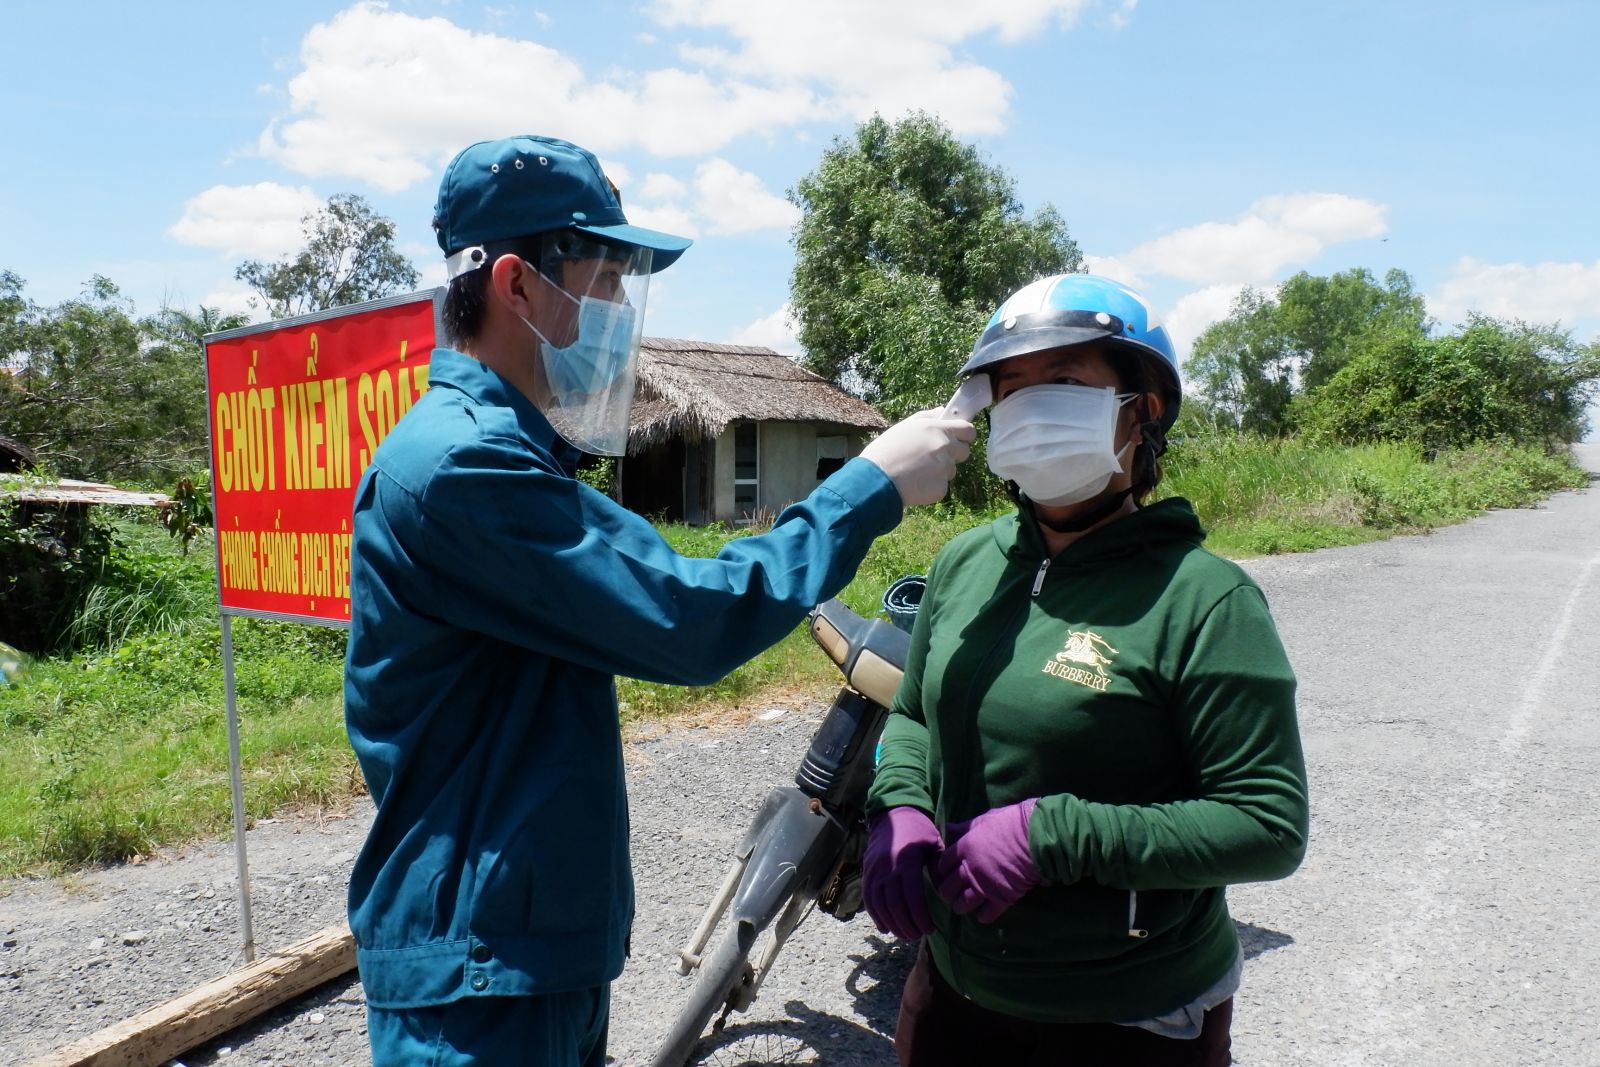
x=589 y=334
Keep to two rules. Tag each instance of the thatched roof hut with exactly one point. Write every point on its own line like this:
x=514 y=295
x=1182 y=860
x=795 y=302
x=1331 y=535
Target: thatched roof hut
x=732 y=432
x=695 y=389
x=14 y=456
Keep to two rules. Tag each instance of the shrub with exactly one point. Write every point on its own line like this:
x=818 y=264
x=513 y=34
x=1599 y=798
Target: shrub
x=1494 y=381
x=189 y=512
x=599 y=473
x=144 y=588
x=50 y=557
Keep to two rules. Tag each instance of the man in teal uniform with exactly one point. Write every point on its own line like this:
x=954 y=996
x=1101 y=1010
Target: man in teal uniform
x=494 y=597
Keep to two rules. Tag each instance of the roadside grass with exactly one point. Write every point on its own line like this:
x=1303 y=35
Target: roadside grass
x=793 y=669
x=1261 y=496
x=116 y=751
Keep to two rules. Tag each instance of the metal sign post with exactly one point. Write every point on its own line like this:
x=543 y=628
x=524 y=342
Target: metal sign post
x=296 y=408
x=236 y=783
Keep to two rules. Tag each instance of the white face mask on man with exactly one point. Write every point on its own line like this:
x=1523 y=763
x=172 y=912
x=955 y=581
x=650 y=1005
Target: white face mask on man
x=1058 y=442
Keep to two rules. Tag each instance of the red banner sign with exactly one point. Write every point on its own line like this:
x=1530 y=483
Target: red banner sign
x=297 y=408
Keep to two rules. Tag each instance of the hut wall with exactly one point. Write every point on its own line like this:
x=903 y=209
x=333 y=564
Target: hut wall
x=722 y=478
x=788 y=462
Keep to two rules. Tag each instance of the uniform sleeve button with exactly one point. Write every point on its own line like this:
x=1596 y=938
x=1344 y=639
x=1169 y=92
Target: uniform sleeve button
x=480 y=982
x=481 y=954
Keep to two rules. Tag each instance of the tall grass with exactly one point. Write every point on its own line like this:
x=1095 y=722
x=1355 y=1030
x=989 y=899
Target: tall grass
x=793 y=668
x=1259 y=496
x=121 y=748
x=149 y=588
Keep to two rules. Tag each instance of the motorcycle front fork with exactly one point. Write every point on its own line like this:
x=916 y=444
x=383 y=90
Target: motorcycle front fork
x=689 y=956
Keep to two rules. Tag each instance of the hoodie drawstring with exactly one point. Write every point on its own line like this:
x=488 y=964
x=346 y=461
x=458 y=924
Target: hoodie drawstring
x=1133 y=909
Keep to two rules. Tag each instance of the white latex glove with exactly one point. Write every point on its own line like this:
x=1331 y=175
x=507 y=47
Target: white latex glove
x=920 y=453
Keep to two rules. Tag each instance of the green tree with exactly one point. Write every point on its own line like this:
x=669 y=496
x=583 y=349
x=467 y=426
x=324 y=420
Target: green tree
x=349 y=256
x=176 y=413
x=1253 y=364
x=1326 y=320
x=75 y=382
x=1241 y=369
x=1494 y=380
x=13 y=310
x=907 y=242
x=99 y=394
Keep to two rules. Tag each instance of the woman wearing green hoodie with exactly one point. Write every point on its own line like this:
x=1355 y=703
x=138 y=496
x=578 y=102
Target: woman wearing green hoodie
x=1096 y=731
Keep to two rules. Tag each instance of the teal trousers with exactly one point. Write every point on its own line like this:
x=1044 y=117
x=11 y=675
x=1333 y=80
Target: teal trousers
x=557 y=1030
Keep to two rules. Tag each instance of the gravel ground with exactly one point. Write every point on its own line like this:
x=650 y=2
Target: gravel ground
x=1445 y=916
x=93 y=950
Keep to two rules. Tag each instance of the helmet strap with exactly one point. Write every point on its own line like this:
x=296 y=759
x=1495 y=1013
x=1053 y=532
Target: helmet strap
x=1147 y=457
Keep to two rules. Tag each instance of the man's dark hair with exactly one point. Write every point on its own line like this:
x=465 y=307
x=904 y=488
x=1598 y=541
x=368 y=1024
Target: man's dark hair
x=465 y=300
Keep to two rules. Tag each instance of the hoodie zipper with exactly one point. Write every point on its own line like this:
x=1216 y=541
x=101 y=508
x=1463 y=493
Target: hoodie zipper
x=1133 y=894
x=957 y=932
x=1038 y=579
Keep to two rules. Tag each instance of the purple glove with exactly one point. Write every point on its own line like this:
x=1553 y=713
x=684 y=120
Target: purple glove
x=987 y=866
x=901 y=843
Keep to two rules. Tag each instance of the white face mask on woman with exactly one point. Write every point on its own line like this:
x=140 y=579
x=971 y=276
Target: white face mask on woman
x=1057 y=442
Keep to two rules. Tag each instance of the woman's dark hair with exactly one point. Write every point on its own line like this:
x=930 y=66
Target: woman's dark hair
x=1135 y=374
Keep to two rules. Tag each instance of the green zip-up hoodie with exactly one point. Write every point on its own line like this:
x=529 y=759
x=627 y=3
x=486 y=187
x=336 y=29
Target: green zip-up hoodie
x=1134 y=683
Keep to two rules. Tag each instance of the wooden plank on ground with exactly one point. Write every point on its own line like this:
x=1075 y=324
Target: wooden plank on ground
x=157 y=1036
x=68 y=491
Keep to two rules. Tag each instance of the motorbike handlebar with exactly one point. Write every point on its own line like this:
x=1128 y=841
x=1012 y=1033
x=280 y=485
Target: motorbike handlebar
x=870 y=652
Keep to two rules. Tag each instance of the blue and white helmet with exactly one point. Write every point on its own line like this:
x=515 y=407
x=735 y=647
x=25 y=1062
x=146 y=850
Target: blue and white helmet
x=1074 y=309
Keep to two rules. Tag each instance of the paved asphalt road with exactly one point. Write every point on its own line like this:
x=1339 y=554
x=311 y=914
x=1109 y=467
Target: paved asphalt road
x=1447 y=912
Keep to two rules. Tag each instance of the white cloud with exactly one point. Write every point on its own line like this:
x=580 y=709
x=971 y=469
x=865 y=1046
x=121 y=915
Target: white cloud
x=843 y=36
x=887 y=56
x=776 y=331
x=260 y=221
x=719 y=199
x=658 y=186
x=676 y=112
x=1538 y=293
x=731 y=200
x=1275 y=232
x=386 y=96
x=235 y=302
x=1122 y=16
x=668 y=218
x=1195 y=311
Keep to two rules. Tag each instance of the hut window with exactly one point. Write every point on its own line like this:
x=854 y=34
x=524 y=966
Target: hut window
x=746 y=470
x=831 y=454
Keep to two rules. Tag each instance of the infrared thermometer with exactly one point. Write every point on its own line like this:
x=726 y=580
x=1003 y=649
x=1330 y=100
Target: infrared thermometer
x=971 y=397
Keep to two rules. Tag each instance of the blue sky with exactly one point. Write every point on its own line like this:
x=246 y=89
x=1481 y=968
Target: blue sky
x=1192 y=147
